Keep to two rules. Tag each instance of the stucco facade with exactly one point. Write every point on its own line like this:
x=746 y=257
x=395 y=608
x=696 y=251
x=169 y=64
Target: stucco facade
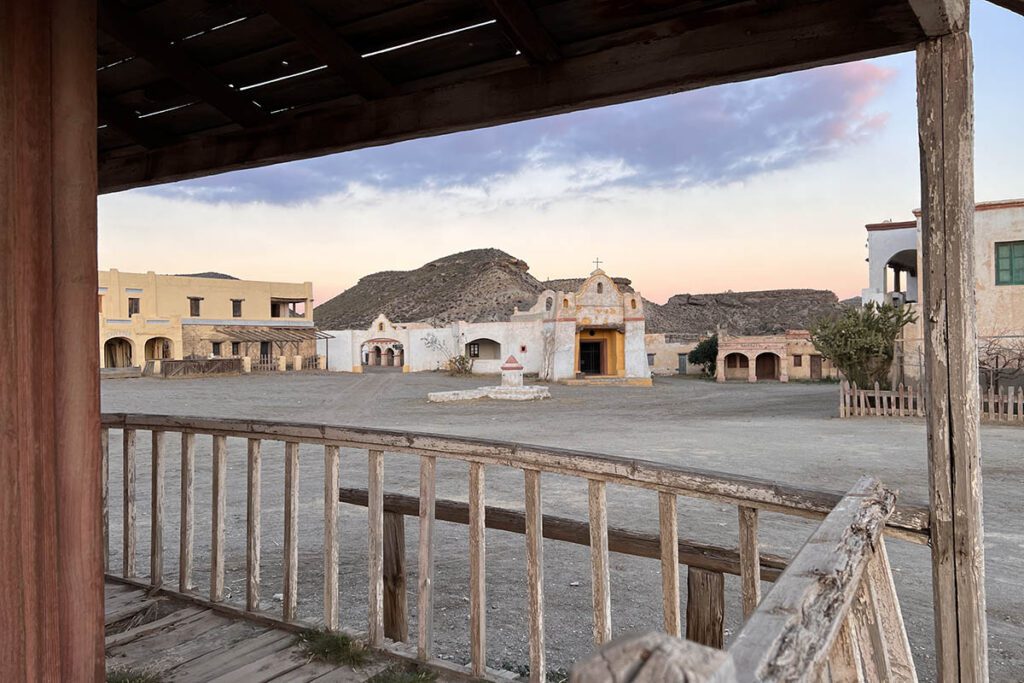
x=667 y=353
x=596 y=332
x=145 y=316
x=1000 y=307
x=781 y=357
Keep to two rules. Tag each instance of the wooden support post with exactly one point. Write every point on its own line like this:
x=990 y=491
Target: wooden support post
x=51 y=573
x=128 y=539
x=331 y=461
x=156 y=517
x=291 y=531
x=946 y=129
x=477 y=571
x=396 y=618
x=375 y=512
x=105 y=479
x=535 y=574
x=705 y=607
x=425 y=593
x=219 y=492
x=185 y=533
x=252 y=527
x=750 y=560
x=668 y=537
x=600 y=577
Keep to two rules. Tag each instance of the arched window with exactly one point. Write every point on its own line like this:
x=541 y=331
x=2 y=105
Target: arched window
x=565 y=303
x=600 y=288
x=632 y=303
x=380 y=327
x=549 y=304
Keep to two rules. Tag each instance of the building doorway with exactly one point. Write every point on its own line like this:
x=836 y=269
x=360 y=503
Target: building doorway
x=767 y=366
x=682 y=363
x=265 y=351
x=117 y=353
x=390 y=357
x=158 y=348
x=815 y=366
x=591 y=358
x=375 y=356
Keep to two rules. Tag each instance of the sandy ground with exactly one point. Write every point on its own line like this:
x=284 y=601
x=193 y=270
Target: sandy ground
x=784 y=432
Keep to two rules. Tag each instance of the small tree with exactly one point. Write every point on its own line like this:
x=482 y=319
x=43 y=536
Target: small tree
x=705 y=354
x=861 y=342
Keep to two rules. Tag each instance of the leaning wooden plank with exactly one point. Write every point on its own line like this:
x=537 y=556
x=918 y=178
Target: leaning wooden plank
x=624 y=541
x=186 y=531
x=375 y=513
x=129 y=610
x=168 y=621
x=128 y=538
x=331 y=461
x=600 y=576
x=425 y=594
x=750 y=566
x=535 y=575
x=651 y=658
x=156 y=516
x=266 y=665
x=882 y=593
x=477 y=571
x=668 y=540
x=290 y=592
x=792 y=632
x=252 y=525
x=105 y=495
x=219 y=492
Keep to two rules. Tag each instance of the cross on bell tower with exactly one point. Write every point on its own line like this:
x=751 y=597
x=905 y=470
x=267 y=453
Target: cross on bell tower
x=597 y=264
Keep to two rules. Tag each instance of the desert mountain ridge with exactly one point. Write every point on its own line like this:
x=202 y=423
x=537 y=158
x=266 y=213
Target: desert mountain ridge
x=483 y=285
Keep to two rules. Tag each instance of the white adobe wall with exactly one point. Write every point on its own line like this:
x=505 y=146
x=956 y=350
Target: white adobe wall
x=338 y=350
x=636 y=350
x=882 y=246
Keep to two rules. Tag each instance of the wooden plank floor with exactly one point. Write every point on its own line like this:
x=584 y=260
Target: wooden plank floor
x=182 y=642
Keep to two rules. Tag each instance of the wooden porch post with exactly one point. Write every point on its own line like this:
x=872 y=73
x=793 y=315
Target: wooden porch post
x=51 y=567
x=946 y=127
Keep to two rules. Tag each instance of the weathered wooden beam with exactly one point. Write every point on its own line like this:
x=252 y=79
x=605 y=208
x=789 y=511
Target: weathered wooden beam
x=939 y=17
x=705 y=607
x=794 y=37
x=623 y=541
x=1012 y=5
x=328 y=46
x=51 y=610
x=396 y=617
x=129 y=123
x=118 y=22
x=946 y=131
x=653 y=657
x=522 y=27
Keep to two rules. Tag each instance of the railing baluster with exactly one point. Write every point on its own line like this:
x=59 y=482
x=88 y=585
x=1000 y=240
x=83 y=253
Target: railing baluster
x=477 y=570
x=668 y=536
x=252 y=525
x=600 y=580
x=535 y=574
x=220 y=467
x=188 y=468
x=331 y=462
x=396 y=618
x=156 y=518
x=425 y=593
x=750 y=560
x=128 y=502
x=705 y=607
x=870 y=645
x=843 y=661
x=375 y=509
x=882 y=593
x=291 y=530
x=105 y=478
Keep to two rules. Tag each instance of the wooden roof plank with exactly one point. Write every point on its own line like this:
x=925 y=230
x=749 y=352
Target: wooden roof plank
x=1012 y=5
x=939 y=17
x=128 y=122
x=522 y=27
x=116 y=21
x=796 y=36
x=329 y=47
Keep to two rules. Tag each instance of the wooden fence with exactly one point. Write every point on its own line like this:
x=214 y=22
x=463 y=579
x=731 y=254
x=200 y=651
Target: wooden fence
x=200 y=367
x=264 y=364
x=387 y=622
x=1004 y=405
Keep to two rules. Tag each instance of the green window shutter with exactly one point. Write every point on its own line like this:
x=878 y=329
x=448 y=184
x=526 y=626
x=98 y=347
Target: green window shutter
x=1010 y=263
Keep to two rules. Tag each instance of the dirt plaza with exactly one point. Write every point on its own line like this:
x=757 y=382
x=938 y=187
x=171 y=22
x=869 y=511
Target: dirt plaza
x=774 y=431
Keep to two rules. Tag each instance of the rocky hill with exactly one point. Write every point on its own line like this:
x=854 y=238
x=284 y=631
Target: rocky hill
x=487 y=284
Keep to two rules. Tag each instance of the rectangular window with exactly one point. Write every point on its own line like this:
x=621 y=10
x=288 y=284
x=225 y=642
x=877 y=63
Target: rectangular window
x=216 y=348
x=1010 y=263
x=474 y=350
x=193 y=306
x=236 y=308
x=133 y=306
x=650 y=359
x=236 y=348
x=798 y=361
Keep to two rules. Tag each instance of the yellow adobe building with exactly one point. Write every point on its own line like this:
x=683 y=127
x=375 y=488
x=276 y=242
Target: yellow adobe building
x=145 y=316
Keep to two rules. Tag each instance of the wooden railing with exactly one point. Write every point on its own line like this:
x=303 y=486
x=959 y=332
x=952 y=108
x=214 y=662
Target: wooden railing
x=832 y=616
x=707 y=562
x=200 y=367
x=1003 y=405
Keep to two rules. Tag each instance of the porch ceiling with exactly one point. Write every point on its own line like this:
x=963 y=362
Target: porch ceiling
x=193 y=87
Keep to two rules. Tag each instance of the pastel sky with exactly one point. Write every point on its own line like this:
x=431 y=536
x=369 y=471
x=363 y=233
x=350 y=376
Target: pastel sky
x=754 y=185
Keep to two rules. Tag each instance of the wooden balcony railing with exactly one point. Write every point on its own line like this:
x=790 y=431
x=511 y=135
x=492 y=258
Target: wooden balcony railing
x=707 y=561
x=832 y=616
